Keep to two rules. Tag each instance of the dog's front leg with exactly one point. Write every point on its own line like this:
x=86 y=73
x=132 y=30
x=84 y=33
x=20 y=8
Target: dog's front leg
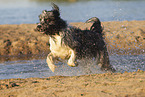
x=72 y=60
x=50 y=62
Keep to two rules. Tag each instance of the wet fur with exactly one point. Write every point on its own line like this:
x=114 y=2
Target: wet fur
x=67 y=42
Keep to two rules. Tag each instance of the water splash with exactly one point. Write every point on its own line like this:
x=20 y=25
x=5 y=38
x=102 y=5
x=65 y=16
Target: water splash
x=39 y=68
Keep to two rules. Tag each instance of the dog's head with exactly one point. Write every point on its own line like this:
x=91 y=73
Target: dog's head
x=50 y=21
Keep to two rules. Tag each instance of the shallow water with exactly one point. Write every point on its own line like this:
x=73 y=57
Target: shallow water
x=39 y=68
x=27 y=11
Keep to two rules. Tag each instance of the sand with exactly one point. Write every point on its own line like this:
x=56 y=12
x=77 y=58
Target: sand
x=96 y=85
x=121 y=37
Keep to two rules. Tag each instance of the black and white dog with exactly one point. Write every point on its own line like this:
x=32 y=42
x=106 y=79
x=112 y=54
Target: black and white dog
x=67 y=42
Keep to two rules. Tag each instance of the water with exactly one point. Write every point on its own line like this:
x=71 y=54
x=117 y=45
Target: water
x=27 y=11
x=39 y=68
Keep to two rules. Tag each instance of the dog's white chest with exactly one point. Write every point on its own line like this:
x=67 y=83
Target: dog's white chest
x=58 y=48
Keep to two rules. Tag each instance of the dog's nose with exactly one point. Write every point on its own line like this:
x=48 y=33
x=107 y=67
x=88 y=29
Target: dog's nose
x=39 y=26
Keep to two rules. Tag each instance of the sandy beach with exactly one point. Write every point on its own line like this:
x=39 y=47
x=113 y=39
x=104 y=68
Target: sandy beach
x=126 y=37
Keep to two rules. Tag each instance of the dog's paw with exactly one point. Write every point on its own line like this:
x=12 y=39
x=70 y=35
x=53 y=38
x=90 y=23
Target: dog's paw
x=109 y=69
x=52 y=67
x=72 y=64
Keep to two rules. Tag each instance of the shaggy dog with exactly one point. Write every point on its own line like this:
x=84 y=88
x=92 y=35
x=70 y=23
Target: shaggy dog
x=67 y=42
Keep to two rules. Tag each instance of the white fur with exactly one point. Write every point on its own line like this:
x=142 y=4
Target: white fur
x=59 y=49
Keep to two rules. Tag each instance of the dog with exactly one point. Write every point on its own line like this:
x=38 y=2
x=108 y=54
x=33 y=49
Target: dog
x=72 y=43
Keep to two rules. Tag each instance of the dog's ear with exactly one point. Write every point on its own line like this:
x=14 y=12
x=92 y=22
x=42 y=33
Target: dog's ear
x=55 y=9
x=44 y=11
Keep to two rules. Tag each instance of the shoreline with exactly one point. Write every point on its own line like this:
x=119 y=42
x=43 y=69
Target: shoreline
x=4 y=58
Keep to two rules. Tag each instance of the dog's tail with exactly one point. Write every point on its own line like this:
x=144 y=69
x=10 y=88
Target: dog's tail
x=96 y=27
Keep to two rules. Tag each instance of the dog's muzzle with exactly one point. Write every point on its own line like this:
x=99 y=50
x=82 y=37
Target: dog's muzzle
x=39 y=28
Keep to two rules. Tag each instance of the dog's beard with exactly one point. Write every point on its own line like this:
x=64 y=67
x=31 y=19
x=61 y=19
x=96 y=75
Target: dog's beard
x=51 y=29
x=45 y=28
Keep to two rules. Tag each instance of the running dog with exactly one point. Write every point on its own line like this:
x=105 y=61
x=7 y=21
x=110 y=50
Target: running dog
x=72 y=43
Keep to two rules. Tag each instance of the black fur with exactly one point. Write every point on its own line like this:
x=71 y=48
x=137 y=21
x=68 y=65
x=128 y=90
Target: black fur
x=86 y=43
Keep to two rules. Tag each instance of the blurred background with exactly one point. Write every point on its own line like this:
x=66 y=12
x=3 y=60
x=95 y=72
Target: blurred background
x=27 y=11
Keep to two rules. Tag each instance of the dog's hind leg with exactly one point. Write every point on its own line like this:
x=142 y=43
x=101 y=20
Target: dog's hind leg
x=103 y=61
x=72 y=60
x=50 y=62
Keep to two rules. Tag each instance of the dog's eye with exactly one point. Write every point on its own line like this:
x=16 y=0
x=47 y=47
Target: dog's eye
x=46 y=20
